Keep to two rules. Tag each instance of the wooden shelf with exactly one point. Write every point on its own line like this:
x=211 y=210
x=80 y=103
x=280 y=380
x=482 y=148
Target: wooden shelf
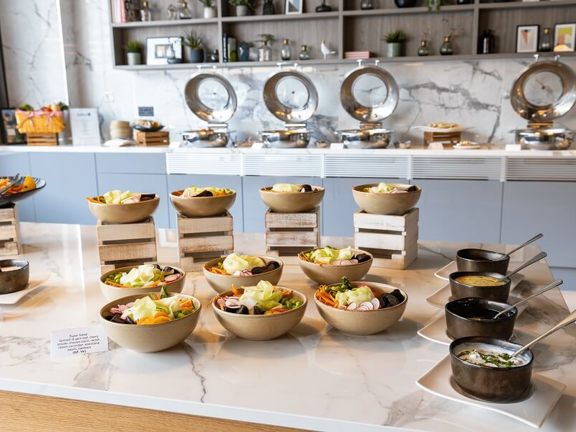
x=281 y=17
x=408 y=11
x=165 y=23
x=526 y=5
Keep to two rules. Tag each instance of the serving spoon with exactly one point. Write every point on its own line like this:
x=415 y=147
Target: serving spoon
x=542 y=291
x=534 y=259
x=526 y=243
x=566 y=321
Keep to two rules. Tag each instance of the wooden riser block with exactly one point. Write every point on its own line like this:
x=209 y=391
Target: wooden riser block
x=217 y=243
x=292 y=220
x=9 y=248
x=127 y=252
x=205 y=225
x=42 y=139
x=9 y=231
x=376 y=240
x=152 y=138
x=393 y=259
x=367 y=221
x=139 y=231
x=118 y=264
x=292 y=239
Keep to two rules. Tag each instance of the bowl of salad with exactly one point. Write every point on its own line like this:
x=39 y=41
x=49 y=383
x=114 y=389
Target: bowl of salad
x=207 y=201
x=260 y=312
x=143 y=279
x=328 y=265
x=386 y=198
x=151 y=323
x=360 y=308
x=241 y=270
x=121 y=207
x=292 y=198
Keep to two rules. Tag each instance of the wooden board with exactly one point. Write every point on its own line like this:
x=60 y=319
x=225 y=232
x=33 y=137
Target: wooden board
x=152 y=138
x=42 y=139
x=365 y=221
x=10 y=244
x=135 y=231
x=292 y=220
x=288 y=234
x=187 y=225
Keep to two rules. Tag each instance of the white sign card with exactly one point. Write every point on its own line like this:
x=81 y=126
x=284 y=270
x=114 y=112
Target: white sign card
x=79 y=340
x=85 y=126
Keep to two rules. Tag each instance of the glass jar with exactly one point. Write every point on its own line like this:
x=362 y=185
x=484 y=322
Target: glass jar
x=232 y=52
x=424 y=49
x=264 y=52
x=304 y=53
x=145 y=12
x=446 y=48
x=286 y=53
x=366 y=4
x=546 y=44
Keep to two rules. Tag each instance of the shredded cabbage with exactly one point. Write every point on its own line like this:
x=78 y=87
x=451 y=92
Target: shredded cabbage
x=235 y=262
x=140 y=276
x=192 y=191
x=119 y=197
x=355 y=295
x=263 y=295
x=328 y=254
x=286 y=187
x=144 y=307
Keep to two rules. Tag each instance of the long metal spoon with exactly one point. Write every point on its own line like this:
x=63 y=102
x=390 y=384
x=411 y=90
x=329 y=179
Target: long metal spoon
x=566 y=321
x=526 y=243
x=542 y=291
x=531 y=261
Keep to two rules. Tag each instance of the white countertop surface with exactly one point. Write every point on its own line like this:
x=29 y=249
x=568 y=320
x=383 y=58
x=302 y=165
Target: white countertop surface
x=314 y=378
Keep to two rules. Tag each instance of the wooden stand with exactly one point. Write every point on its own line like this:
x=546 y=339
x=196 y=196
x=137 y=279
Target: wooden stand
x=152 y=138
x=42 y=139
x=121 y=245
x=445 y=137
x=9 y=231
x=288 y=234
x=203 y=239
x=393 y=240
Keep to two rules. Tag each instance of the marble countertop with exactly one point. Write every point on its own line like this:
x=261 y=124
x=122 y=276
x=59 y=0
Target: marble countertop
x=314 y=378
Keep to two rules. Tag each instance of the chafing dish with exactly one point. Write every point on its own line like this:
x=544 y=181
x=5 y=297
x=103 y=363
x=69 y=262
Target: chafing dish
x=212 y=99
x=545 y=138
x=366 y=137
x=286 y=138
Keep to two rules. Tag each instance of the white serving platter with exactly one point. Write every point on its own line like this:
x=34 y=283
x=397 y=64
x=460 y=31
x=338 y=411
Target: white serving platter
x=15 y=297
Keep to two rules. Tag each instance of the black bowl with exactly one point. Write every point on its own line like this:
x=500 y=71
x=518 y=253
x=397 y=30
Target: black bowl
x=14 y=280
x=492 y=384
x=5 y=199
x=481 y=260
x=474 y=317
x=495 y=293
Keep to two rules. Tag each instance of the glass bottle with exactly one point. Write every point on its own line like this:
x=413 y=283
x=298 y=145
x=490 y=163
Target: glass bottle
x=213 y=56
x=264 y=52
x=486 y=42
x=546 y=40
x=145 y=12
x=304 y=53
x=424 y=49
x=232 y=52
x=268 y=7
x=366 y=4
x=446 y=48
x=286 y=53
x=183 y=10
x=323 y=7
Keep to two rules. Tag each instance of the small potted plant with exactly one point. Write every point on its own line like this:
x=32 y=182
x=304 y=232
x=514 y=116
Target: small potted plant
x=243 y=7
x=209 y=10
x=395 y=41
x=193 y=48
x=133 y=53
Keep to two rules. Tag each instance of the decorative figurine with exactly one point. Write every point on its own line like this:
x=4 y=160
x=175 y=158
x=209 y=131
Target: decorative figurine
x=183 y=10
x=325 y=50
x=145 y=12
x=323 y=7
x=213 y=57
x=172 y=12
x=366 y=4
x=268 y=7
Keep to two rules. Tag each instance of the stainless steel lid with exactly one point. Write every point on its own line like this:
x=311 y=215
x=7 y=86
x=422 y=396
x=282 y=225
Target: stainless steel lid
x=290 y=96
x=369 y=94
x=211 y=97
x=545 y=91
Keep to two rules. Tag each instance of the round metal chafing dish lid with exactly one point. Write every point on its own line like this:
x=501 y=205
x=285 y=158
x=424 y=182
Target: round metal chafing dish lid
x=290 y=96
x=545 y=91
x=361 y=110
x=211 y=97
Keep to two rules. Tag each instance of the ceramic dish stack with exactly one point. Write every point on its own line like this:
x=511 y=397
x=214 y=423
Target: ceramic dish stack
x=386 y=225
x=126 y=232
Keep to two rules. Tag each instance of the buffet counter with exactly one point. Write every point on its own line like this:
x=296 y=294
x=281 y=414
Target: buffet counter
x=315 y=378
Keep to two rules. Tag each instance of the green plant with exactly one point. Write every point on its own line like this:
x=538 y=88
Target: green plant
x=133 y=46
x=192 y=40
x=266 y=38
x=208 y=3
x=247 y=3
x=397 y=36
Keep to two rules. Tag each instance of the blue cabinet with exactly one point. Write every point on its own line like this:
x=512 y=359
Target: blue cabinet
x=14 y=163
x=181 y=181
x=339 y=205
x=547 y=207
x=70 y=178
x=144 y=183
x=460 y=210
x=254 y=208
x=131 y=163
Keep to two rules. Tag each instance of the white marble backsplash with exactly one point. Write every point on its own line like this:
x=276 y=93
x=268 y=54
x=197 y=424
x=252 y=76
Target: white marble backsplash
x=472 y=93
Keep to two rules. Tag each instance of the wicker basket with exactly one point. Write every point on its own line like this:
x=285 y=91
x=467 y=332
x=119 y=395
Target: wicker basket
x=40 y=121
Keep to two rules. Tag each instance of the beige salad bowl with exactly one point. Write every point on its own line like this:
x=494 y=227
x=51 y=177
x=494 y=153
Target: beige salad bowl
x=123 y=213
x=202 y=206
x=385 y=203
x=330 y=274
x=149 y=338
x=292 y=202
x=223 y=283
x=367 y=322
x=260 y=327
x=113 y=292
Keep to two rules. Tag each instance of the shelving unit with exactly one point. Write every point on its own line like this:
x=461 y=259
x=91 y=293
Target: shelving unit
x=348 y=28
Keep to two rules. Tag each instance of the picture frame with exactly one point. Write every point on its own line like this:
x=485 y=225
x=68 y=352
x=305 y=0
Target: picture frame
x=8 y=132
x=527 y=38
x=163 y=50
x=564 y=37
x=294 y=7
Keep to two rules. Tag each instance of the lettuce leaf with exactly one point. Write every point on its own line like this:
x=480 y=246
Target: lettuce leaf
x=264 y=295
x=355 y=295
x=235 y=262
